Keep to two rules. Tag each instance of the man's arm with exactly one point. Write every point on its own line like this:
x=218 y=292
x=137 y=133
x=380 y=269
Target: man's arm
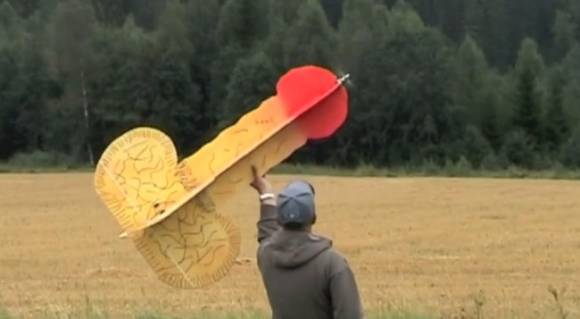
x=344 y=293
x=268 y=222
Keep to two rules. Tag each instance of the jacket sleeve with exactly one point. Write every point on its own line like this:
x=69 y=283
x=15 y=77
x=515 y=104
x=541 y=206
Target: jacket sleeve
x=344 y=293
x=268 y=222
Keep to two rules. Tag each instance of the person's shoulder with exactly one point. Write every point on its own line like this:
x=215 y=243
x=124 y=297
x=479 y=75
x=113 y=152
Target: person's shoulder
x=334 y=254
x=336 y=262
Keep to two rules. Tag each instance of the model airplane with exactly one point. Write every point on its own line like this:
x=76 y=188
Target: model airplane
x=171 y=209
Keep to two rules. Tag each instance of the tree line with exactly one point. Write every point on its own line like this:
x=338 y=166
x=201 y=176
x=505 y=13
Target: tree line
x=490 y=83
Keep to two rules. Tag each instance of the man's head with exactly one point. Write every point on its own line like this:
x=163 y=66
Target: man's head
x=296 y=209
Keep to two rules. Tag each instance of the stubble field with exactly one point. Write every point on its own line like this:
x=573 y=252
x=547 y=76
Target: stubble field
x=456 y=248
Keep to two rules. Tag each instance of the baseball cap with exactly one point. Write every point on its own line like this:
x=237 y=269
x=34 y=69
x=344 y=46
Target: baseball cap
x=296 y=204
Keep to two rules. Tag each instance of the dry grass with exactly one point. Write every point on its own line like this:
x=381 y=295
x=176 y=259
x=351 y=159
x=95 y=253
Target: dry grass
x=459 y=248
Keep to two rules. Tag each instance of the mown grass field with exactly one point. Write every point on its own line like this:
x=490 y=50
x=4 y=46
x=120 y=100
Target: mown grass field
x=453 y=248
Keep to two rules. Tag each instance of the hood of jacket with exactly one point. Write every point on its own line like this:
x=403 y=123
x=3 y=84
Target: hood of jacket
x=291 y=249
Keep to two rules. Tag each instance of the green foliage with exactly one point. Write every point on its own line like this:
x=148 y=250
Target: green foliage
x=146 y=13
x=404 y=19
x=519 y=149
x=333 y=10
x=362 y=25
x=311 y=40
x=485 y=21
x=570 y=153
x=40 y=159
x=461 y=167
x=418 y=117
x=111 y=12
x=25 y=90
x=202 y=18
x=10 y=22
x=492 y=162
x=412 y=118
x=556 y=125
x=490 y=123
x=70 y=30
x=250 y=82
x=173 y=34
x=571 y=93
x=564 y=33
x=242 y=23
x=24 y=7
x=528 y=111
x=156 y=89
x=440 y=86
x=242 y=27
x=476 y=146
x=475 y=92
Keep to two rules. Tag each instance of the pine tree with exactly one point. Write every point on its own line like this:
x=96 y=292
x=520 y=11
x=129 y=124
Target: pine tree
x=529 y=70
x=202 y=19
x=242 y=27
x=313 y=40
x=518 y=149
x=111 y=12
x=570 y=152
x=283 y=16
x=146 y=13
x=564 y=34
x=25 y=87
x=491 y=119
x=250 y=83
x=333 y=10
x=490 y=126
x=485 y=21
x=121 y=89
x=403 y=19
x=242 y=23
x=71 y=28
x=362 y=33
x=9 y=135
x=571 y=93
x=451 y=18
x=176 y=105
x=556 y=125
x=11 y=25
x=173 y=34
x=285 y=11
x=470 y=85
x=476 y=146
x=411 y=117
x=363 y=24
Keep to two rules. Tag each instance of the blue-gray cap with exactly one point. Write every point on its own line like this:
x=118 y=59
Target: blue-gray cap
x=296 y=204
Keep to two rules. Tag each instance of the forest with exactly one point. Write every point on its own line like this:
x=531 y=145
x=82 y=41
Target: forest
x=490 y=84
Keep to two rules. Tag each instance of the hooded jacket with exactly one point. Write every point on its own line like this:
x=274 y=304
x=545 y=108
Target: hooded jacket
x=305 y=278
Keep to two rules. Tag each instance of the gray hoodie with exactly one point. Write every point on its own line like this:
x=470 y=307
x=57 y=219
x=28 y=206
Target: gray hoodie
x=305 y=278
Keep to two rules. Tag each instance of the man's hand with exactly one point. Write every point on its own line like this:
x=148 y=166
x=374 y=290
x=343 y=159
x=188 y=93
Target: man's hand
x=260 y=183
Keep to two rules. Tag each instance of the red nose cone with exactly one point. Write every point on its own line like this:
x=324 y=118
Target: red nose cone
x=314 y=95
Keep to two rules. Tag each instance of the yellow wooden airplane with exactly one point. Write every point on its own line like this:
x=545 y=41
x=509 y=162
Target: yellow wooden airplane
x=171 y=209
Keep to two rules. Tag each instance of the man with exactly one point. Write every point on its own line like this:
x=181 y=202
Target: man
x=305 y=277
